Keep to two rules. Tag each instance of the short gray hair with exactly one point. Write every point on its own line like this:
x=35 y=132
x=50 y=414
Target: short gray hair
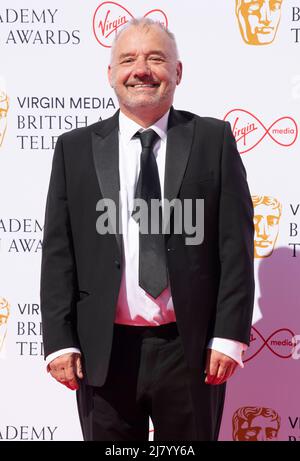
x=145 y=23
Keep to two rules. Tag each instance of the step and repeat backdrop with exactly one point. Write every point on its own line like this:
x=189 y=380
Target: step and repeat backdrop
x=241 y=61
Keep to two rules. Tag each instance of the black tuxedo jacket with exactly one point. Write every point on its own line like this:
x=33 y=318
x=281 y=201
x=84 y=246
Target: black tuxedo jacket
x=212 y=284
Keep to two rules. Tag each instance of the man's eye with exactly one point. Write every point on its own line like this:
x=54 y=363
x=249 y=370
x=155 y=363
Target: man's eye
x=156 y=58
x=127 y=61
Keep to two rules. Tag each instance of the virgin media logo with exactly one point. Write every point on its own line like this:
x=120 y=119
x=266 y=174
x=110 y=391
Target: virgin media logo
x=249 y=131
x=109 y=17
x=280 y=343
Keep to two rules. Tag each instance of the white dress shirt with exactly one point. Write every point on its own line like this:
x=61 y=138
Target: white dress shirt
x=134 y=305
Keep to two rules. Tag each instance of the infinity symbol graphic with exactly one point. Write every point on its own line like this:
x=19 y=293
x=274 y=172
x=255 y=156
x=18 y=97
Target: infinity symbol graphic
x=110 y=16
x=265 y=342
x=249 y=131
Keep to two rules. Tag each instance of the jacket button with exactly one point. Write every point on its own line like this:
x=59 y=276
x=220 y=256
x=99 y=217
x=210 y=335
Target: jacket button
x=117 y=263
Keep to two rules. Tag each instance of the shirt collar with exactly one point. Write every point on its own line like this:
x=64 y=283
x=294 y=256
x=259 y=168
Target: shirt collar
x=128 y=127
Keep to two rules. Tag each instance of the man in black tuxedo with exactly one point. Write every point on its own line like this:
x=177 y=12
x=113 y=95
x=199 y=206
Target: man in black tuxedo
x=147 y=324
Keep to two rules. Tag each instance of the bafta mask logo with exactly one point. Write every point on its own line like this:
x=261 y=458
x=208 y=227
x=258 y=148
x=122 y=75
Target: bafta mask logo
x=251 y=424
x=258 y=20
x=267 y=213
x=4 y=315
x=3 y=115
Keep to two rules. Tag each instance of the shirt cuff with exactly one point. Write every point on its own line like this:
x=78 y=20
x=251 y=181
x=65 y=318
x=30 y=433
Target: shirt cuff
x=230 y=347
x=56 y=354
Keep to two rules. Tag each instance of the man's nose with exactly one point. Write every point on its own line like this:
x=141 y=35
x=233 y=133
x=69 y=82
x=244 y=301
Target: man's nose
x=141 y=68
x=265 y=13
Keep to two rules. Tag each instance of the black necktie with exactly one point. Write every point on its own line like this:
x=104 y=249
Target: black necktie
x=152 y=260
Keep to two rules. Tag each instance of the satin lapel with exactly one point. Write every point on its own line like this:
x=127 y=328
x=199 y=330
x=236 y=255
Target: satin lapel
x=179 y=143
x=105 y=144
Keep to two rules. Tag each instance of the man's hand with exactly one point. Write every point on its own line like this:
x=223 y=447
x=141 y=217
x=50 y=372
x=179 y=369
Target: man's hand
x=219 y=367
x=66 y=369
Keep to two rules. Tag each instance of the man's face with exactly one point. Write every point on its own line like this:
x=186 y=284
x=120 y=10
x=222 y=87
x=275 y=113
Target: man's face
x=266 y=225
x=3 y=115
x=144 y=70
x=259 y=20
x=259 y=429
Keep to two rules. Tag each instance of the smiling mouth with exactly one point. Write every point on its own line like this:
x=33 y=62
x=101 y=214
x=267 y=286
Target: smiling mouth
x=144 y=85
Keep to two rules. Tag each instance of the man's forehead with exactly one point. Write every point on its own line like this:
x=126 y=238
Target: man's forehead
x=146 y=41
x=146 y=34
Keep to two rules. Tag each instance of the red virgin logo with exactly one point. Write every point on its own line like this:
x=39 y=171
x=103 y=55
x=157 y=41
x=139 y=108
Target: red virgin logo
x=109 y=17
x=249 y=131
x=280 y=343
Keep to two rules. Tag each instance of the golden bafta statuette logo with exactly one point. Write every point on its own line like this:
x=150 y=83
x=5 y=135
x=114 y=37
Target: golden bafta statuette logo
x=258 y=20
x=4 y=315
x=4 y=105
x=252 y=424
x=267 y=213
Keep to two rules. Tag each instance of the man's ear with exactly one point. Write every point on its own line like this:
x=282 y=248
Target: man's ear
x=178 y=72
x=109 y=75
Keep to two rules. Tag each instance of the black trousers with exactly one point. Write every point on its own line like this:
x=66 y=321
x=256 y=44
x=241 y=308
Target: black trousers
x=148 y=376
